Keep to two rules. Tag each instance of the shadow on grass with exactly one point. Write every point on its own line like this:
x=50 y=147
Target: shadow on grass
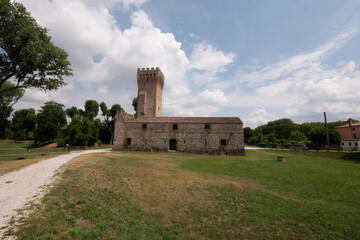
x=354 y=156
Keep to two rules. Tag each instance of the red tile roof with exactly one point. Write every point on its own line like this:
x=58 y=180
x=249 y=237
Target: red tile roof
x=347 y=125
x=219 y=120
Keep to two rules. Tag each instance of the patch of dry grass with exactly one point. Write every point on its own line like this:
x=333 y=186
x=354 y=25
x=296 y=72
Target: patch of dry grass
x=131 y=195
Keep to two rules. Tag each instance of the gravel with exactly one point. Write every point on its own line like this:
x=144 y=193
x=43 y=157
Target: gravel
x=27 y=184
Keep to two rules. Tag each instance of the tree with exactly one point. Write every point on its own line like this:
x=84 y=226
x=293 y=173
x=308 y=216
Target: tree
x=24 y=119
x=71 y=112
x=91 y=109
x=104 y=110
x=114 y=109
x=134 y=104
x=317 y=136
x=297 y=136
x=50 y=120
x=248 y=133
x=27 y=55
x=334 y=137
x=282 y=127
x=7 y=100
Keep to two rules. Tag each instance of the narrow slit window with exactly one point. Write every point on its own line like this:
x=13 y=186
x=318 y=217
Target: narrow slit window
x=128 y=141
x=144 y=126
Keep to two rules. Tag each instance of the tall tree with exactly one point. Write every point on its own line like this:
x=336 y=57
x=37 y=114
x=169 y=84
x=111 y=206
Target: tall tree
x=104 y=111
x=71 y=112
x=248 y=133
x=91 y=109
x=27 y=55
x=50 y=120
x=114 y=109
x=25 y=119
x=7 y=100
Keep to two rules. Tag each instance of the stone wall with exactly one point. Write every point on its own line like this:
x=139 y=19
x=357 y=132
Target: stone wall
x=190 y=137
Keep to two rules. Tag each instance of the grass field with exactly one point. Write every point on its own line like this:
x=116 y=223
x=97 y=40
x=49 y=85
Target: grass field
x=9 y=150
x=134 y=195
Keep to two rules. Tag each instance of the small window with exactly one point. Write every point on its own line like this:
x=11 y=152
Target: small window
x=353 y=129
x=175 y=126
x=207 y=126
x=356 y=144
x=223 y=142
x=144 y=126
x=159 y=108
x=205 y=142
x=354 y=136
x=147 y=80
x=342 y=144
x=349 y=143
x=128 y=141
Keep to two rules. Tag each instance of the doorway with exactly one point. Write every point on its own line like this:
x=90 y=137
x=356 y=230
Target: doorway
x=172 y=144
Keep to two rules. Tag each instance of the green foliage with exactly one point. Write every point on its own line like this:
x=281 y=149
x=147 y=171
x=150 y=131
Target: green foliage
x=297 y=136
x=334 y=137
x=104 y=111
x=24 y=119
x=50 y=120
x=71 y=112
x=248 y=133
x=114 y=109
x=317 y=136
x=91 y=109
x=288 y=133
x=27 y=55
x=134 y=104
x=7 y=100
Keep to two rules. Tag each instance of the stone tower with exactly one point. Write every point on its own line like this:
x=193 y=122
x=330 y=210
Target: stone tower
x=150 y=85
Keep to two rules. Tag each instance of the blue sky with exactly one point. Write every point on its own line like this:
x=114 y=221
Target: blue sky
x=258 y=60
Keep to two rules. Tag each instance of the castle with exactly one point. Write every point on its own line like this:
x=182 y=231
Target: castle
x=149 y=131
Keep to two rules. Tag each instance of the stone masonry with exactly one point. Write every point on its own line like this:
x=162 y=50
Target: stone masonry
x=151 y=132
x=150 y=86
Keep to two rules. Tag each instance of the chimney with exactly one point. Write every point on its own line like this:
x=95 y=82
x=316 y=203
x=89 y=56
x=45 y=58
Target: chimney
x=350 y=122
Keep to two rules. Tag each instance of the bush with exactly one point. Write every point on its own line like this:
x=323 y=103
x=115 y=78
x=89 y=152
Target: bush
x=60 y=142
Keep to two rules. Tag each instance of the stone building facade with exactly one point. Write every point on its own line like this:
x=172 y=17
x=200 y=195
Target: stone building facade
x=151 y=132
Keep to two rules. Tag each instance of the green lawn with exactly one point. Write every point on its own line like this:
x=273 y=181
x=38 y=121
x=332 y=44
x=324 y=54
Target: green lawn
x=10 y=149
x=136 y=195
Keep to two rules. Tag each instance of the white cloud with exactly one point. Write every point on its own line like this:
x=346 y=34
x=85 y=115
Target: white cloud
x=258 y=117
x=302 y=87
x=86 y=29
x=206 y=57
x=214 y=97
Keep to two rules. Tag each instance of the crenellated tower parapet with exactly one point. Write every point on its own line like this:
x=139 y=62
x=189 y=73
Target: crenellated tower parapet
x=150 y=86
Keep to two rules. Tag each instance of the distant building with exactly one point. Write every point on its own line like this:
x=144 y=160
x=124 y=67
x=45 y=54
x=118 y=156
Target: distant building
x=350 y=134
x=152 y=132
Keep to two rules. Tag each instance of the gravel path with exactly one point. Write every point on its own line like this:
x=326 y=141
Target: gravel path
x=19 y=187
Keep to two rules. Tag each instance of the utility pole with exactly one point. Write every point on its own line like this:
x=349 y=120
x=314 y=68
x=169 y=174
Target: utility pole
x=327 y=133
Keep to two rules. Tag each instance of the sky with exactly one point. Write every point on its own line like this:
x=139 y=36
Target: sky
x=258 y=60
